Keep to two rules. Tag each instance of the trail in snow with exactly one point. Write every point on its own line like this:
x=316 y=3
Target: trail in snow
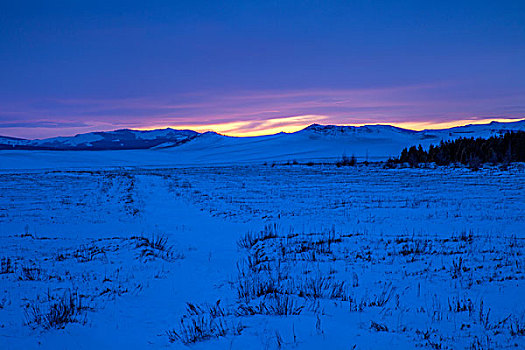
x=440 y=257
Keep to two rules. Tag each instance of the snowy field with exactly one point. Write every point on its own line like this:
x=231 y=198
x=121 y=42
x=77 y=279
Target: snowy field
x=263 y=257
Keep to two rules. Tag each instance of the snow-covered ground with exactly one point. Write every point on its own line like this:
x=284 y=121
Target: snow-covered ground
x=183 y=148
x=262 y=257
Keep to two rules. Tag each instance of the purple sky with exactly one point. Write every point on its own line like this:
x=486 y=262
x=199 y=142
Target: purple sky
x=257 y=67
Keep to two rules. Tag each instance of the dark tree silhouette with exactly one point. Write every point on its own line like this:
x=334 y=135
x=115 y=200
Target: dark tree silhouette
x=506 y=148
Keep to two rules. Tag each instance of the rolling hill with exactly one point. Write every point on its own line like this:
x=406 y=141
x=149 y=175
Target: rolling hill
x=169 y=147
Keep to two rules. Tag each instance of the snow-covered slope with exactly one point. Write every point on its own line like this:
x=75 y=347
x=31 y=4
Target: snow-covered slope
x=319 y=142
x=187 y=148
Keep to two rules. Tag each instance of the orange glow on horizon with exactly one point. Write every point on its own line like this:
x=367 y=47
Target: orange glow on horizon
x=296 y=123
x=252 y=128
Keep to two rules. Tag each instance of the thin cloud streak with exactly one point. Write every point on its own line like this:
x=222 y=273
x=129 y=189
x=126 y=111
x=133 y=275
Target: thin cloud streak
x=255 y=113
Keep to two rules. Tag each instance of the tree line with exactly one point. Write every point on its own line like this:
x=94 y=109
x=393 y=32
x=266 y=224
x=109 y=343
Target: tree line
x=501 y=149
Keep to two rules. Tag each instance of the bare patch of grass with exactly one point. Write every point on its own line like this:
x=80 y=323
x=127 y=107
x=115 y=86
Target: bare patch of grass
x=88 y=253
x=6 y=265
x=250 y=239
x=196 y=328
x=31 y=273
x=156 y=246
x=517 y=327
x=58 y=312
x=378 y=327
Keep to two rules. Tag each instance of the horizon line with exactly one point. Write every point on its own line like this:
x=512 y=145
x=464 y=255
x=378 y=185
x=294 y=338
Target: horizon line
x=411 y=126
x=228 y=129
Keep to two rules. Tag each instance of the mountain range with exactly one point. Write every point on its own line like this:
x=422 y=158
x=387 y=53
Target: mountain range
x=110 y=140
x=126 y=139
x=169 y=147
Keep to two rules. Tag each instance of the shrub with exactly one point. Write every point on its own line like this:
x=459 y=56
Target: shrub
x=66 y=309
x=202 y=327
x=378 y=327
x=346 y=161
x=517 y=328
x=6 y=265
x=156 y=247
x=88 y=253
x=250 y=238
x=30 y=273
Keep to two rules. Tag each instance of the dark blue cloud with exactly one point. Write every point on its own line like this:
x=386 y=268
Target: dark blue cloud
x=106 y=50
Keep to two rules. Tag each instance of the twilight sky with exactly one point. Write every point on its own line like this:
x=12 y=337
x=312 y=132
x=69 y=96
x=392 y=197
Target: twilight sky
x=257 y=67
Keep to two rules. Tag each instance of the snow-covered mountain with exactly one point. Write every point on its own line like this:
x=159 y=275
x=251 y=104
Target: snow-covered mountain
x=188 y=148
x=163 y=138
x=472 y=130
x=112 y=140
x=319 y=142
